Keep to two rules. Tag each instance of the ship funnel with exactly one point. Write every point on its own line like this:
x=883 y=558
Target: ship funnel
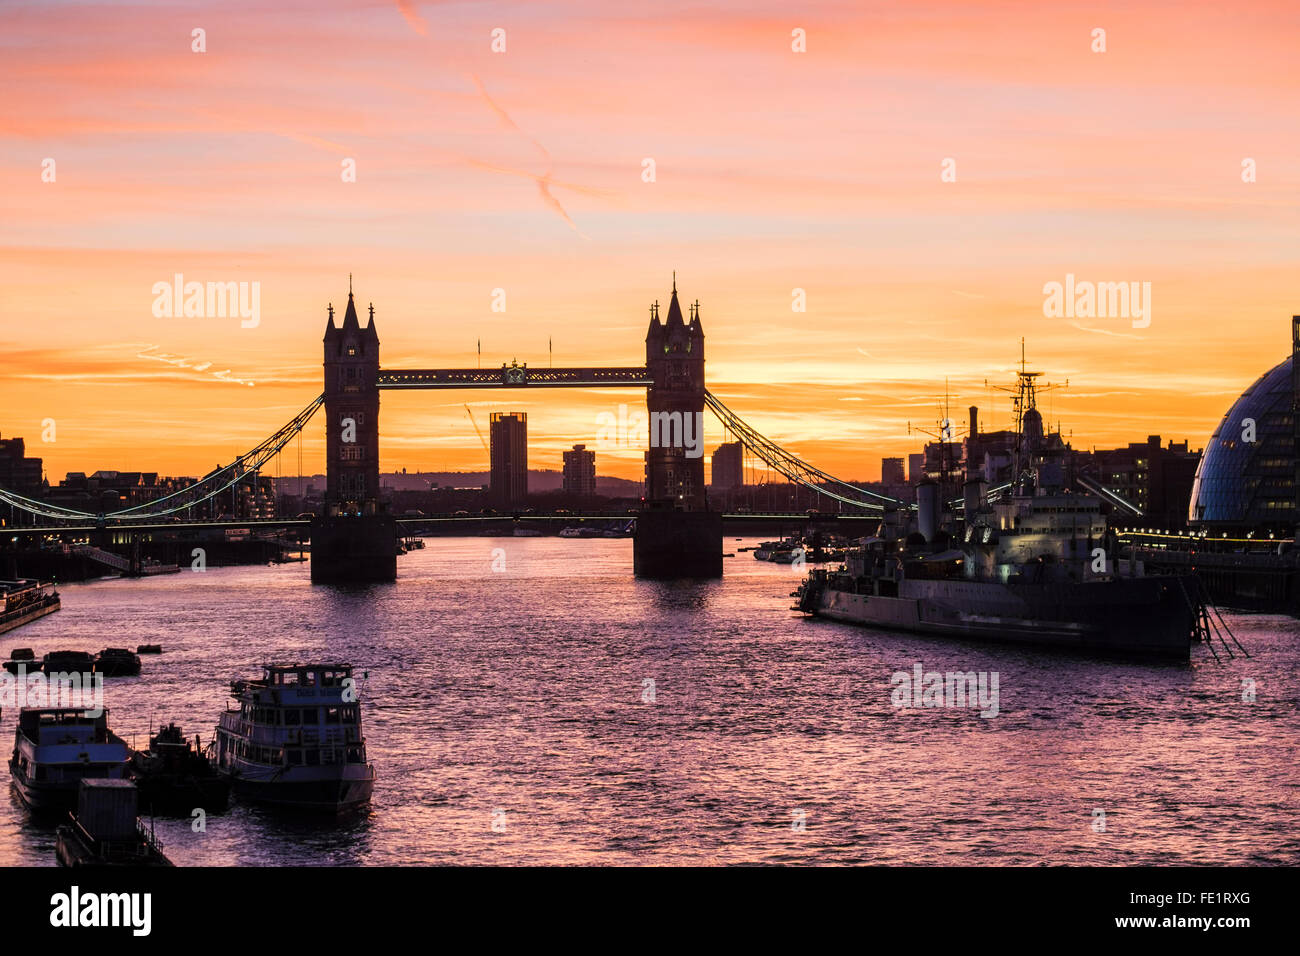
x=972 y=497
x=927 y=509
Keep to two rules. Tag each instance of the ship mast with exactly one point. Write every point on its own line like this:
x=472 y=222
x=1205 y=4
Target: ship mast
x=1024 y=399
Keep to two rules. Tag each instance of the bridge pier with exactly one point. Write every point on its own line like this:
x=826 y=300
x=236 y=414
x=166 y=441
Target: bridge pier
x=677 y=544
x=348 y=549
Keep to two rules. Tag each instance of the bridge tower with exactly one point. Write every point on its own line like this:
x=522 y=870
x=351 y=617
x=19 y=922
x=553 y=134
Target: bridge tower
x=676 y=534
x=353 y=540
x=674 y=357
x=352 y=414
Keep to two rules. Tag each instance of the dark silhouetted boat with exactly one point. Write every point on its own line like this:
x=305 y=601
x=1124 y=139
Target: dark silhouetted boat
x=106 y=831
x=21 y=658
x=68 y=662
x=117 y=662
x=174 y=776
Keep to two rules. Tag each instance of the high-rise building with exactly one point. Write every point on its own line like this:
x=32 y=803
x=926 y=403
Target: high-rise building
x=891 y=471
x=508 y=436
x=18 y=472
x=580 y=471
x=915 y=467
x=728 y=466
x=1158 y=480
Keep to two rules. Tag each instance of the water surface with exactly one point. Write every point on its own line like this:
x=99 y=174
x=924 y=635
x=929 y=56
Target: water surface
x=523 y=696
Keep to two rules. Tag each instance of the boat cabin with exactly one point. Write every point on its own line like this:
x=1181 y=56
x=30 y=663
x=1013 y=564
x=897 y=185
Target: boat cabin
x=64 y=725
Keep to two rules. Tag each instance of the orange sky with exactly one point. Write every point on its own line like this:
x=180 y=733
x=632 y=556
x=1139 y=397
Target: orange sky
x=522 y=171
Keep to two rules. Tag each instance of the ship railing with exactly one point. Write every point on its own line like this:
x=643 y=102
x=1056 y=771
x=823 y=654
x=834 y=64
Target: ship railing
x=144 y=842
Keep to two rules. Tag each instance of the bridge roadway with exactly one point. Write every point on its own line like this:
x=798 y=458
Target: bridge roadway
x=515 y=376
x=468 y=520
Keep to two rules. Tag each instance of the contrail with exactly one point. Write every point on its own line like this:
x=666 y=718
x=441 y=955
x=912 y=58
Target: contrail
x=543 y=181
x=413 y=17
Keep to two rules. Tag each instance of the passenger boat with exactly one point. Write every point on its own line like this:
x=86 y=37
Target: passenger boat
x=295 y=739
x=56 y=748
x=25 y=600
x=117 y=662
x=106 y=831
x=174 y=777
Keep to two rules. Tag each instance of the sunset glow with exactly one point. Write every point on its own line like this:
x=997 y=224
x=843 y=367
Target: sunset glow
x=523 y=171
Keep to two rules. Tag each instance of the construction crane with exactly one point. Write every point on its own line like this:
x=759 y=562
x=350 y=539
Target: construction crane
x=476 y=430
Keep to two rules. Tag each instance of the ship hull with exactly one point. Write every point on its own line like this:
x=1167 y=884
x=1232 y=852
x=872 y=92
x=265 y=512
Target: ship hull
x=294 y=789
x=1141 y=617
x=14 y=620
x=58 y=797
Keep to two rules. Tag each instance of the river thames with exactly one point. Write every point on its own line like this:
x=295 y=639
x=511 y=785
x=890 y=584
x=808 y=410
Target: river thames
x=527 y=701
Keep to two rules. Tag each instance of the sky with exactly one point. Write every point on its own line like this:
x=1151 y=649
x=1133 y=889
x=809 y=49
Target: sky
x=921 y=171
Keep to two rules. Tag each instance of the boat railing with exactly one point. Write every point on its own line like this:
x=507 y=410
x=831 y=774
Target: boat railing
x=142 y=845
x=277 y=735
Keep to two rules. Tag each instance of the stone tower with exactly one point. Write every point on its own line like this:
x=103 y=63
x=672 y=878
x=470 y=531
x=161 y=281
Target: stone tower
x=352 y=414
x=674 y=357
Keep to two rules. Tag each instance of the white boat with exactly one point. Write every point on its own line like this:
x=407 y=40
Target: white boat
x=56 y=748
x=295 y=739
x=570 y=533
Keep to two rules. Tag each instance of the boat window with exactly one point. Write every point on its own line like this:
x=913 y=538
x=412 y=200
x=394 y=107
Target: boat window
x=295 y=757
x=292 y=717
x=310 y=715
x=331 y=715
x=313 y=757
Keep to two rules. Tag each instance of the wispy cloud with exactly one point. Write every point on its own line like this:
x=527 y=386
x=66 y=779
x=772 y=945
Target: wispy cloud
x=197 y=366
x=1122 y=335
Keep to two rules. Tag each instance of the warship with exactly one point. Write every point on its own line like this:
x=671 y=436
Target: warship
x=1031 y=561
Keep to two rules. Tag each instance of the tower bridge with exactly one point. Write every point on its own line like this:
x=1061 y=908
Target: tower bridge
x=677 y=535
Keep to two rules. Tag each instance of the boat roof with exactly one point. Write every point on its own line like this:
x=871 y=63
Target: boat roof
x=30 y=717
x=15 y=584
x=324 y=675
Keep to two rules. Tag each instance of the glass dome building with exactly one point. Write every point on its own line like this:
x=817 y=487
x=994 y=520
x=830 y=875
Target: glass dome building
x=1240 y=485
